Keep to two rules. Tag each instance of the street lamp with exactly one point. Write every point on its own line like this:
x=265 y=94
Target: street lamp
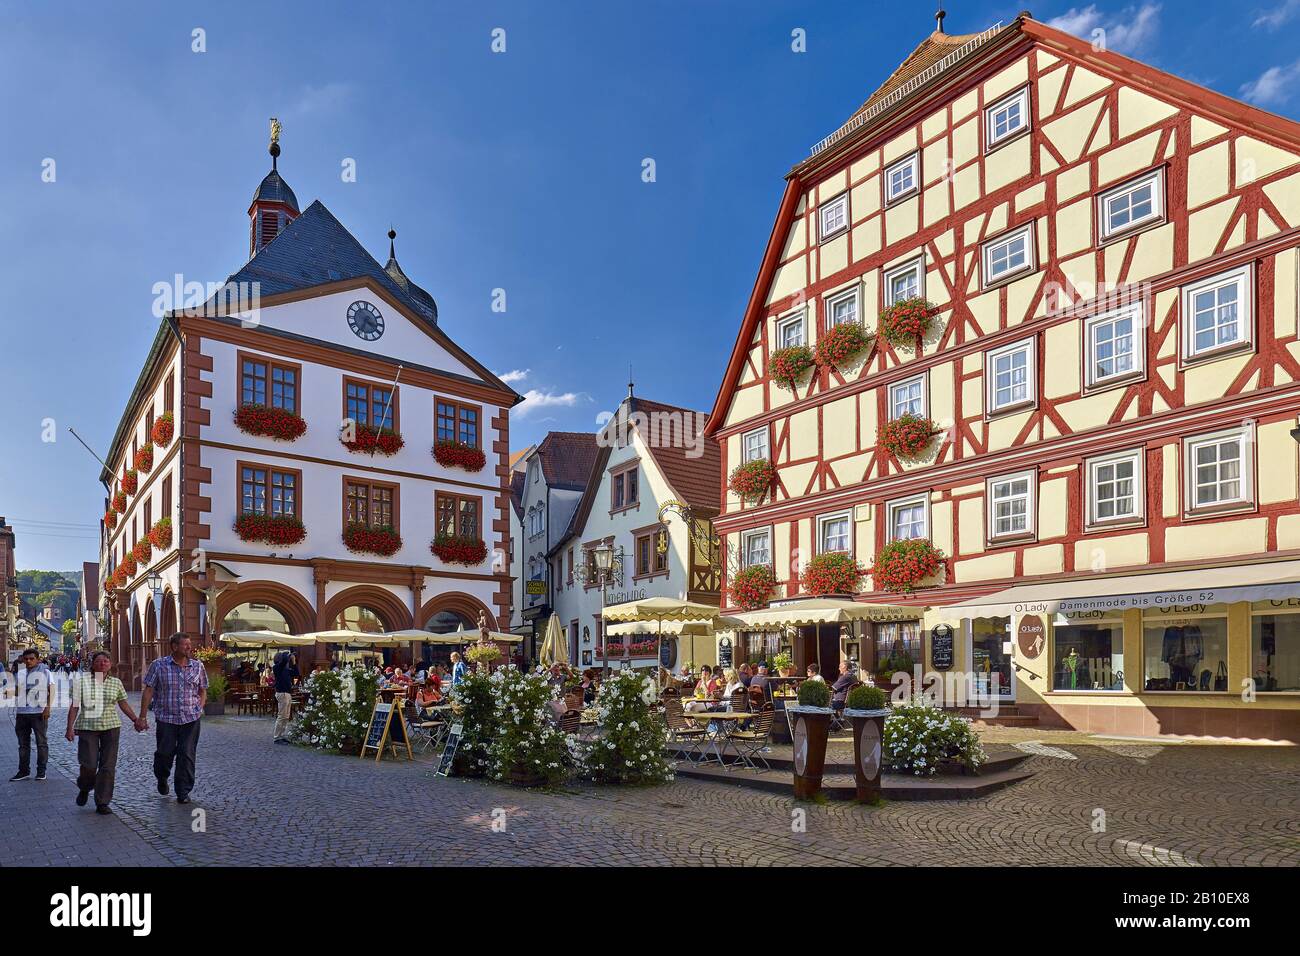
x=154 y=583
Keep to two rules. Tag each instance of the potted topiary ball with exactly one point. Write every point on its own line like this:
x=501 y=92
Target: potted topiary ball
x=811 y=721
x=867 y=708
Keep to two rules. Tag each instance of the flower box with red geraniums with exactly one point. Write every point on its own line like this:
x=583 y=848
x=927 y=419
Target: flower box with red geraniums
x=457 y=454
x=752 y=587
x=128 y=565
x=164 y=427
x=110 y=519
x=832 y=573
x=269 y=421
x=160 y=535
x=753 y=480
x=841 y=344
x=119 y=502
x=788 y=365
x=116 y=579
x=905 y=323
x=456 y=550
x=272 y=529
x=130 y=481
x=142 y=551
x=385 y=441
x=143 y=460
x=902 y=565
x=367 y=540
x=907 y=436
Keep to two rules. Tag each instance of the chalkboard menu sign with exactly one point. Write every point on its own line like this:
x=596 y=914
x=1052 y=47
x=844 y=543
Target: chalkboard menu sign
x=449 y=751
x=724 y=652
x=386 y=729
x=378 y=725
x=941 y=647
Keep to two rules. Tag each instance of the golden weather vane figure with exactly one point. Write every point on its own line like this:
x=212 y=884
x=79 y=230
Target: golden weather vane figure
x=275 y=131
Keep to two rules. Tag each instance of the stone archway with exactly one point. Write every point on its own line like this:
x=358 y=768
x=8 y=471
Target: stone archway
x=467 y=605
x=292 y=605
x=392 y=611
x=135 y=649
x=168 y=627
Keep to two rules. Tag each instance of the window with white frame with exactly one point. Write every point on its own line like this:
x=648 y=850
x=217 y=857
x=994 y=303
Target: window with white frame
x=908 y=519
x=1007 y=117
x=1011 y=505
x=789 y=330
x=1114 y=344
x=907 y=397
x=1217 y=470
x=905 y=282
x=1116 y=488
x=834 y=216
x=753 y=445
x=1009 y=254
x=1132 y=204
x=756 y=547
x=1218 y=312
x=903 y=178
x=833 y=532
x=842 y=308
x=1010 y=375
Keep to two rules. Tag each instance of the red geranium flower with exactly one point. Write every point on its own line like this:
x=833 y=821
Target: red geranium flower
x=457 y=454
x=383 y=540
x=128 y=565
x=368 y=440
x=752 y=587
x=752 y=480
x=160 y=535
x=272 y=529
x=458 y=550
x=110 y=519
x=841 y=343
x=832 y=573
x=901 y=565
x=143 y=550
x=163 y=429
x=119 y=502
x=130 y=481
x=907 y=436
x=269 y=421
x=905 y=323
x=787 y=365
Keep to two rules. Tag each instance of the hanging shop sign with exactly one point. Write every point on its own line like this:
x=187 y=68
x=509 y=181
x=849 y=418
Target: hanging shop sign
x=534 y=587
x=1031 y=635
x=941 y=647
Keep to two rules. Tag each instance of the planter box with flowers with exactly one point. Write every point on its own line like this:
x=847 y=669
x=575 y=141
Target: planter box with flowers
x=832 y=573
x=110 y=519
x=130 y=481
x=269 y=421
x=119 y=502
x=369 y=440
x=752 y=587
x=788 y=365
x=142 y=551
x=164 y=427
x=841 y=344
x=457 y=454
x=753 y=480
x=143 y=459
x=455 y=550
x=128 y=566
x=160 y=535
x=902 y=566
x=905 y=323
x=908 y=436
x=363 y=539
x=272 y=529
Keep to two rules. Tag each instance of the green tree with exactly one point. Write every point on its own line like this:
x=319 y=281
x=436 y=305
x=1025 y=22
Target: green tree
x=69 y=635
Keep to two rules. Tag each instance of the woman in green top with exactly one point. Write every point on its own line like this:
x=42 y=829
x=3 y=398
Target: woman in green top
x=93 y=718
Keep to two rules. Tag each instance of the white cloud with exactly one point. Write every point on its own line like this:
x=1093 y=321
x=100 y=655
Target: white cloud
x=326 y=98
x=1274 y=86
x=1127 y=31
x=535 y=399
x=1282 y=13
x=514 y=375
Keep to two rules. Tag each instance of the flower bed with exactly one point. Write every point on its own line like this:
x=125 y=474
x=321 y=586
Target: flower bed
x=907 y=436
x=842 y=343
x=752 y=587
x=338 y=708
x=901 y=565
x=905 y=323
x=130 y=481
x=119 y=502
x=164 y=427
x=457 y=454
x=110 y=519
x=753 y=480
x=369 y=440
x=269 y=421
x=143 y=459
x=160 y=535
x=142 y=551
x=272 y=529
x=528 y=750
x=631 y=749
x=366 y=540
x=456 y=550
x=920 y=738
x=832 y=573
x=788 y=365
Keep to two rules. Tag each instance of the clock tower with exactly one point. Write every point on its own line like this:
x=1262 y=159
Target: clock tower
x=274 y=205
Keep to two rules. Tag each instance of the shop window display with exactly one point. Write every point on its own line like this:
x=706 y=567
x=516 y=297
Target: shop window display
x=1275 y=652
x=1186 y=654
x=1088 y=656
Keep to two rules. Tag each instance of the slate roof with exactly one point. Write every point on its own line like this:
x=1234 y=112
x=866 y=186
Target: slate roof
x=567 y=458
x=274 y=189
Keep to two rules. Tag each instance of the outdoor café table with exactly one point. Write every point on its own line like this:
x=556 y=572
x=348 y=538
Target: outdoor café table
x=720 y=740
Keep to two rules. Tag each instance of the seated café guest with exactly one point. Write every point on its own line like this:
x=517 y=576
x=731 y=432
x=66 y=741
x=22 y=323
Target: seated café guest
x=760 y=683
x=840 y=689
x=434 y=677
x=589 y=686
x=401 y=677
x=733 y=683
x=268 y=677
x=814 y=673
x=745 y=675
x=704 y=686
x=426 y=697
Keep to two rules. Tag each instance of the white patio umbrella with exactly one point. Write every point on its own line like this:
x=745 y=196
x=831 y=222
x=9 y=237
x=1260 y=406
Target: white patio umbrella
x=551 y=644
x=340 y=637
x=255 y=639
x=660 y=609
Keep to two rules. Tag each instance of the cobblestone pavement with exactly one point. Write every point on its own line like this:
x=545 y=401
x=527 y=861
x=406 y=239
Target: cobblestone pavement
x=264 y=804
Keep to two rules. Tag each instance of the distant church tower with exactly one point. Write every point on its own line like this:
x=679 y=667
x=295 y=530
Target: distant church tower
x=274 y=205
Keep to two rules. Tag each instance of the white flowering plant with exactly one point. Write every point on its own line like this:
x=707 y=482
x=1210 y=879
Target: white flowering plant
x=475 y=709
x=338 y=708
x=529 y=747
x=631 y=747
x=920 y=737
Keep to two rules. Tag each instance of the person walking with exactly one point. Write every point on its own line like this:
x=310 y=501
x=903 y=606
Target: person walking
x=33 y=715
x=457 y=668
x=286 y=673
x=93 y=722
x=175 y=688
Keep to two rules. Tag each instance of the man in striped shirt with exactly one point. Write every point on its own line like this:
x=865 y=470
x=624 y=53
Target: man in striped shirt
x=92 y=717
x=176 y=688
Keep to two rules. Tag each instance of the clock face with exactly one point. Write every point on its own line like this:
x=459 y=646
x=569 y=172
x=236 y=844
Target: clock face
x=365 y=320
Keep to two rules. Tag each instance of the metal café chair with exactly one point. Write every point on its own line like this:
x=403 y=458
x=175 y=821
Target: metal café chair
x=682 y=732
x=750 y=744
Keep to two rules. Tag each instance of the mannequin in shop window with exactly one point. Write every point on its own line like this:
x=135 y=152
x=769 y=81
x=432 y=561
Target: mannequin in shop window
x=1181 y=650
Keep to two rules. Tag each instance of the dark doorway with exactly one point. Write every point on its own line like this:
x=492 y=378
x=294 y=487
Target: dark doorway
x=828 y=650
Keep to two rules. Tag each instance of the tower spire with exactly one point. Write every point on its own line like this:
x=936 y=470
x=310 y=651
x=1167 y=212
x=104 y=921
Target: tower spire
x=392 y=235
x=938 y=19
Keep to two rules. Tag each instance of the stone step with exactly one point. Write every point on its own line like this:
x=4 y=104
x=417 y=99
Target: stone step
x=997 y=762
x=842 y=786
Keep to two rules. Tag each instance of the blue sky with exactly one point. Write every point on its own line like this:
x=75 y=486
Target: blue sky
x=519 y=170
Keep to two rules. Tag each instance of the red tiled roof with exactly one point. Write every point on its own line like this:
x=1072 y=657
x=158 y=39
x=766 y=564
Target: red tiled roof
x=566 y=459
x=695 y=479
x=932 y=49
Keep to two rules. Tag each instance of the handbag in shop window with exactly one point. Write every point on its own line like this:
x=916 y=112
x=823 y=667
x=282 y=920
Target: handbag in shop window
x=1221 y=677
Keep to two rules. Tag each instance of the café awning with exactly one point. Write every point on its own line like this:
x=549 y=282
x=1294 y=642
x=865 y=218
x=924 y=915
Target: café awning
x=1246 y=582
x=674 y=628
x=821 y=611
x=660 y=609
x=251 y=640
